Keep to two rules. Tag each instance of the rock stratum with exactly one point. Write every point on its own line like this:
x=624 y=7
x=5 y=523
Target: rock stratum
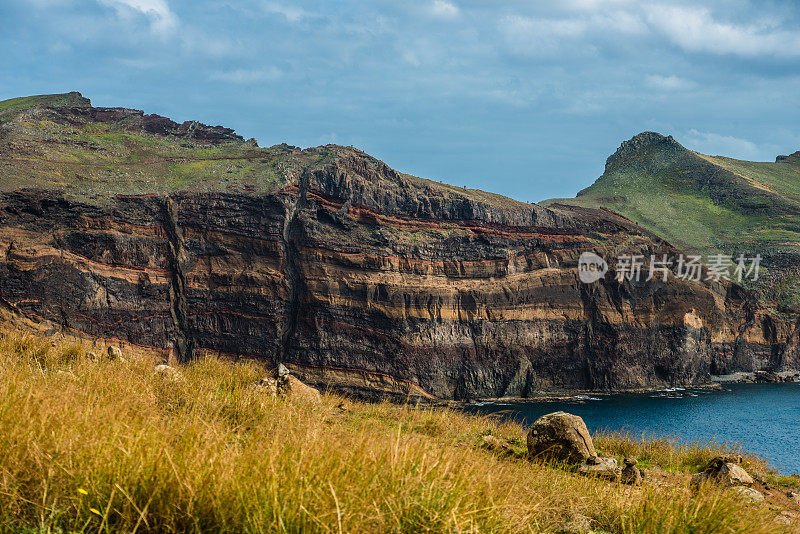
x=355 y=276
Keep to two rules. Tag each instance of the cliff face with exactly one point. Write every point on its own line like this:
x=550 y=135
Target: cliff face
x=373 y=282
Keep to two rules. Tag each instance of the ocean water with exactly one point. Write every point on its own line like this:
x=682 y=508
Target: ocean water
x=762 y=418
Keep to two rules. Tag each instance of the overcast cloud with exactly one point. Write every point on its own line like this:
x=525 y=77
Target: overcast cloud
x=522 y=98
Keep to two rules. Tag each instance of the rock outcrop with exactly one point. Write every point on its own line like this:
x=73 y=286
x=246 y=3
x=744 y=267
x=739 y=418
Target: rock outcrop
x=353 y=275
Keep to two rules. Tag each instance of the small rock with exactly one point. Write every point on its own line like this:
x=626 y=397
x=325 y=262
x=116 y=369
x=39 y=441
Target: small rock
x=92 y=356
x=605 y=468
x=267 y=386
x=732 y=475
x=724 y=470
x=793 y=495
x=749 y=494
x=497 y=445
x=287 y=386
x=631 y=474
x=560 y=436
x=281 y=371
x=114 y=353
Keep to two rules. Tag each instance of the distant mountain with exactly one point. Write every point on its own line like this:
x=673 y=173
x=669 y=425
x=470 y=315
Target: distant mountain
x=709 y=204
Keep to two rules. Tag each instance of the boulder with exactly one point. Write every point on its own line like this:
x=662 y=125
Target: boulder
x=631 y=474
x=698 y=479
x=724 y=470
x=560 y=436
x=605 y=468
x=767 y=377
x=749 y=494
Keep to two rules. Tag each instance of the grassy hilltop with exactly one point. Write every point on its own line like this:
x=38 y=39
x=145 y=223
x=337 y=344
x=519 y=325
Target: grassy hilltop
x=708 y=204
x=88 y=446
x=60 y=142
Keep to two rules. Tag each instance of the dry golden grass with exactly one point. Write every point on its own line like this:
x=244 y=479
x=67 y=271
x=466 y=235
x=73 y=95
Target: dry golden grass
x=113 y=447
x=670 y=454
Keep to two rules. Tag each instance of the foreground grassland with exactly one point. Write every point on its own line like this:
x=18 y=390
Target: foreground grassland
x=107 y=446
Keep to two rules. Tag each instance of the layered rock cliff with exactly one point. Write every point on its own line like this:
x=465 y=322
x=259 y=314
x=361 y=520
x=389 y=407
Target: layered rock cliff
x=354 y=275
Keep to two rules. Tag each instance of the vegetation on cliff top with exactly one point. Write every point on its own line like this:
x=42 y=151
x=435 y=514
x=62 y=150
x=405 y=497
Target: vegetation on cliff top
x=707 y=204
x=60 y=142
x=108 y=446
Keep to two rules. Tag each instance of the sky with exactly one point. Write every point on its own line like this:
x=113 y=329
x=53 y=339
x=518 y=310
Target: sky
x=522 y=98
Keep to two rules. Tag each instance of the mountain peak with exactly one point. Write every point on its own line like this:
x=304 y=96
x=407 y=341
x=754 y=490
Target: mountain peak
x=791 y=158
x=72 y=99
x=640 y=145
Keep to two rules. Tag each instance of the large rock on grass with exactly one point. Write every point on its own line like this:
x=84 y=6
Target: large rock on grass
x=724 y=470
x=560 y=436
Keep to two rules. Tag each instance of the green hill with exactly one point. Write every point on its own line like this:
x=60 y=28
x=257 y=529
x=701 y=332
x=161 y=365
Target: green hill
x=62 y=142
x=709 y=204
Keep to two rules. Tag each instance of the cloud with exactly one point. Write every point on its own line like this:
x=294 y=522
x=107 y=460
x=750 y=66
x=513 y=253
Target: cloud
x=725 y=145
x=669 y=83
x=290 y=13
x=162 y=19
x=445 y=10
x=534 y=36
x=695 y=30
x=542 y=35
x=592 y=5
x=247 y=76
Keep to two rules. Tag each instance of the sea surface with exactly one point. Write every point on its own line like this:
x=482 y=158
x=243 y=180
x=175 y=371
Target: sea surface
x=762 y=418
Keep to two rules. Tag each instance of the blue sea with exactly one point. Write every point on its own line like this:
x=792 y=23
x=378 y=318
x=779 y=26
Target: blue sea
x=762 y=418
